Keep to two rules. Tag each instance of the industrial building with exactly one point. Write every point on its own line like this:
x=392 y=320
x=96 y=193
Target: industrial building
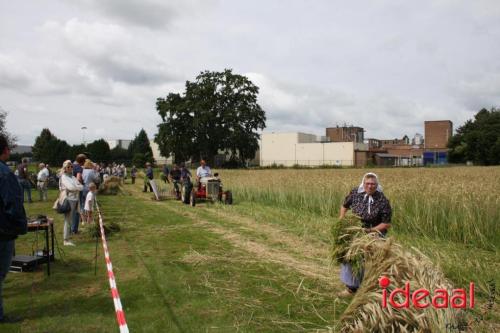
x=118 y=143
x=421 y=150
x=296 y=148
x=437 y=135
x=346 y=146
x=345 y=134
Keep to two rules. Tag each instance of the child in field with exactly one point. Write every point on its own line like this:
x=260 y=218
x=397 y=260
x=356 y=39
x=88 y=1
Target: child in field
x=89 y=203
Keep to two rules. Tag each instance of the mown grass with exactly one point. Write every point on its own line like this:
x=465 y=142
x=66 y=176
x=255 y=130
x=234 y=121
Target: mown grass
x=173 y=274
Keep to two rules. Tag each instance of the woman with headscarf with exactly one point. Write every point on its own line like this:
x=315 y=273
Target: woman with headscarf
x=70 y=188
x=369 y=203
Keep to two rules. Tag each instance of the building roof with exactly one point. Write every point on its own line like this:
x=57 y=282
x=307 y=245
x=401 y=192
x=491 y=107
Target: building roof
x=22 y=149
x=437 y=121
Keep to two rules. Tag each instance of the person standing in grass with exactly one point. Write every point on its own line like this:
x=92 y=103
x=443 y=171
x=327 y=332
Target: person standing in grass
x=72 y=189
x=13 y=220
x=369 y=203
x=175 y=177
x=89 y=203
x=149 y=176
x=133 y=173
x=185 y=174
x=42 y=181
x=78 y=174
x=164 y=174
x=23 y=177
x=124 y=169
x=89 y=176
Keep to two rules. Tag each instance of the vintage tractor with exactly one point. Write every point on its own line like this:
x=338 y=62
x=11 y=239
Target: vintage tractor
x=209 y=189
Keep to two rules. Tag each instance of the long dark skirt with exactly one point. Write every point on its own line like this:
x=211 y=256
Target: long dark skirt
x=348 y=278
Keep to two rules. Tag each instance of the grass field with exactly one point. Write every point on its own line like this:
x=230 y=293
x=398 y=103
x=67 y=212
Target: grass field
x=261 y=265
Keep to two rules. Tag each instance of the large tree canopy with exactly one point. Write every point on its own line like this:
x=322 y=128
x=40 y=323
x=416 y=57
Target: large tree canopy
x=218 y=111
x=478 y=140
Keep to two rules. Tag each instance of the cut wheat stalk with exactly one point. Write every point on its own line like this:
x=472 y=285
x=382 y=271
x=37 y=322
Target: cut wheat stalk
x=377 y=256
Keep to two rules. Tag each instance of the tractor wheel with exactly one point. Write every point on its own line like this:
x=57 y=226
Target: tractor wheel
x=228 y=198
x=184 y=195
x=192 y=199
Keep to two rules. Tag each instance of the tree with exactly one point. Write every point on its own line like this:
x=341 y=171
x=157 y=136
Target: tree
x=76 y=150
x=141 y=147
x=218 y=111
x=120 y=155
x=99 y=151
x=3 y=128
x=478 y=140
x=42 y=144
x=49 y=149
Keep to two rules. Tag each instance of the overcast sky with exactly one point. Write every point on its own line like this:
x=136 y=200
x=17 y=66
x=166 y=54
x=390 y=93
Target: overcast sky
x=383 y=65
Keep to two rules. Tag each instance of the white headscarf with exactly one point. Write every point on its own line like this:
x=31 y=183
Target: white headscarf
x=361 y=189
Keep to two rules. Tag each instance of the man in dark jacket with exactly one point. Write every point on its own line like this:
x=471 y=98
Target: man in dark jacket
x=24 y=178
x=175 y=176
x=148 y=177
x=12 y=215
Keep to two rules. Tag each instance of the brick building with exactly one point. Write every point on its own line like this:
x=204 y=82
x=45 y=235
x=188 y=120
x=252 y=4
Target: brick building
x=437 y=133
x=345 y=134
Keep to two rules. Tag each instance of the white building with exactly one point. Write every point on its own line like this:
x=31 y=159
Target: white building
x=294 y=148
x=119 y=142
x=159 y=159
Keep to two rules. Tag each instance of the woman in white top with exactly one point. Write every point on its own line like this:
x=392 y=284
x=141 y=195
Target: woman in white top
x=72 y=187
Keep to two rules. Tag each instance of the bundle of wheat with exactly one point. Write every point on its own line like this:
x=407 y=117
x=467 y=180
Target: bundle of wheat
x=112 y=185
x=344 y=231
x=384 y=257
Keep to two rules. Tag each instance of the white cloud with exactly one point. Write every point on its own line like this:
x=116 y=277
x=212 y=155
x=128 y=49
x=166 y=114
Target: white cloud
x=151 y=14
x=108 y=51
x=385 y=65
x=312 y=109
x=480 y=91
x=12 y=74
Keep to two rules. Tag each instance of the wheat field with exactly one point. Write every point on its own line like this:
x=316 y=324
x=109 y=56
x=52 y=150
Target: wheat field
x=459 y=204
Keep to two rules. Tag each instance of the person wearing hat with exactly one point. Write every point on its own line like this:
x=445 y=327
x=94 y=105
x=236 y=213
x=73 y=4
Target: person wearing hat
x=42 y=183
x=13 y=220
x=149 y=176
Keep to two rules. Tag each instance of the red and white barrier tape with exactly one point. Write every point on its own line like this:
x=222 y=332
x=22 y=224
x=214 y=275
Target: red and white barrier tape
x=120 y=315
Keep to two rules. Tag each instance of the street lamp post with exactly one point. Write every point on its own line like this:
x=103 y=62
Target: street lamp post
x=84 y=128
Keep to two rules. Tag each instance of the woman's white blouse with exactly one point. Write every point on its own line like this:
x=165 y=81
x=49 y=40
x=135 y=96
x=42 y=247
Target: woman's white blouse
x=71 y=185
